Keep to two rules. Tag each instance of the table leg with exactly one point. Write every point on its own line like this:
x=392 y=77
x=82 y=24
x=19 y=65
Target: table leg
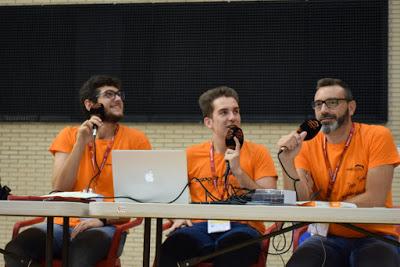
x=65 y=247
x=159 y=230
x=146 y=242
x=49 y=241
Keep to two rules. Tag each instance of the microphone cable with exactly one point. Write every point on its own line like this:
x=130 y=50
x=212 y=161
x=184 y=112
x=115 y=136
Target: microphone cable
x=97 y=166
x=287 y=174
x=137 y=200
x=208 y=193
x=314 y=194
x=183 y=190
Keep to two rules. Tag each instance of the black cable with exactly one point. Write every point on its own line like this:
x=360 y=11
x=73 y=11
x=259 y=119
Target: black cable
x=137 y=200
x=235 y=199
x=313 y=196
x=205 y=189
x=287 y=174
x=280 y=250
x=97 y=165
x=183 y=190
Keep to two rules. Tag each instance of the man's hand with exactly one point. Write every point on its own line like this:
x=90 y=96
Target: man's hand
x=84 y=225
x=178 y=223
x=291 y=144
x=233 y=156
x=86 y=128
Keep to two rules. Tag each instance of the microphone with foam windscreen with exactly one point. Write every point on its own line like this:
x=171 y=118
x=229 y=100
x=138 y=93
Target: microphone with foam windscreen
x=311 y=126
x=233 y=131
x=97 y=110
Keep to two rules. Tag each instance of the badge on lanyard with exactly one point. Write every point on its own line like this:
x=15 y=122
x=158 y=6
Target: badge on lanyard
x=216 y=226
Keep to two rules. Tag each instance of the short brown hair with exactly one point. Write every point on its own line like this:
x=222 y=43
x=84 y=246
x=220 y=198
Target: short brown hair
x=332 y=81
x=207 y=98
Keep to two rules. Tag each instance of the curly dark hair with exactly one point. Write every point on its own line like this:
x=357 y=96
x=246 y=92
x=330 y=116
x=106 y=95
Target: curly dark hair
x=89 y=89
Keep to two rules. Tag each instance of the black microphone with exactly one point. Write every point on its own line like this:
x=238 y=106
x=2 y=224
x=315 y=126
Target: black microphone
x=97 y=110
x=233 y=131
x=311 y=126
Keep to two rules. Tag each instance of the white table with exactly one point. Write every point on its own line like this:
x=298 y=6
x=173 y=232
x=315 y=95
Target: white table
x=49 y=209
x=238 y=212
x=246 y=212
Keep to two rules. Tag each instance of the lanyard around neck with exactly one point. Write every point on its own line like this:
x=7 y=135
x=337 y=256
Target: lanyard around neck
x=106 y=153
x=214 y=173
x=333 y=174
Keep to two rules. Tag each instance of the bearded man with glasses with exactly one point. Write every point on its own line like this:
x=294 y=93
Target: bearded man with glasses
x=349 y=162
x=82 y=162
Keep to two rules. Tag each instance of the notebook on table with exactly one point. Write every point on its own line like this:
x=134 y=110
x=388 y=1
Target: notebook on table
x=150 y=176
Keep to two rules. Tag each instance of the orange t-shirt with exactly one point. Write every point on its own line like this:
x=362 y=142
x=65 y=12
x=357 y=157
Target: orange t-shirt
x=254 y=160
x=371 y=146
x=126 y=138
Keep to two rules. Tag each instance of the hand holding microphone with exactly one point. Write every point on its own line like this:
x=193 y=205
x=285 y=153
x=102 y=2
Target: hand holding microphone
x=234 y=140
x=292 y=142
x=98 y=111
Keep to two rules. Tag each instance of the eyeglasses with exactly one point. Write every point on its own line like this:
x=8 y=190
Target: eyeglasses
x=330 y=103
x=112 y=94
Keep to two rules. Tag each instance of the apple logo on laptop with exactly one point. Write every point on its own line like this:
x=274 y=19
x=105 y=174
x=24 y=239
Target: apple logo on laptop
x=149 y=176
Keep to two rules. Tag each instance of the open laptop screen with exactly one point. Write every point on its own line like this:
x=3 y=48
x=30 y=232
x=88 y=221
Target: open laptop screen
x=156 y=176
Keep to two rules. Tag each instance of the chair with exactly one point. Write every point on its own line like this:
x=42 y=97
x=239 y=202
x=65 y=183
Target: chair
x=262 y=259
x=112 y=259
x=297 y=234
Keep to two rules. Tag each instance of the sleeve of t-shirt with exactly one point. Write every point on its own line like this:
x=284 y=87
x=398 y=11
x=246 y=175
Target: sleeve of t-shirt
x=144 y=143
x=382 y=149
x=264 y=165
x=301 y=160
x=63 y=142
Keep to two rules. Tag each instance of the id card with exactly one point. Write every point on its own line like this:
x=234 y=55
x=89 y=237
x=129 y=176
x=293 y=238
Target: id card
x=320 y=229
x=216 y=226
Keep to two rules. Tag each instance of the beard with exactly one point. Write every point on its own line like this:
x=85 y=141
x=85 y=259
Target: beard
x=110 y=117
x=328 y=127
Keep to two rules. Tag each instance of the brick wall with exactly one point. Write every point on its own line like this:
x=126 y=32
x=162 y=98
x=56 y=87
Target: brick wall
x=25 y=164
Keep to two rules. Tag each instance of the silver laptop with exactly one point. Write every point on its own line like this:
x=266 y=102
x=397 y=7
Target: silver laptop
x=156 y=176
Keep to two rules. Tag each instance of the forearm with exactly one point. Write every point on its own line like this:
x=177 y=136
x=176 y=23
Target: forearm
x=297 y=181
x=377 y=188
x=367 y=200
x=64 y=176
x=245 y=181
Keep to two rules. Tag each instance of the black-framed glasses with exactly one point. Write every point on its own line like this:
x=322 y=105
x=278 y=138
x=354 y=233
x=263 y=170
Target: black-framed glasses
x=330 y=103
x=109 y=94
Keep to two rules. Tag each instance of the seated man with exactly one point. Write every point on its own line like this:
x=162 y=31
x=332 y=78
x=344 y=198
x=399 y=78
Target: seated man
x=346 y=161
x=82 y=162
x=251 y=167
